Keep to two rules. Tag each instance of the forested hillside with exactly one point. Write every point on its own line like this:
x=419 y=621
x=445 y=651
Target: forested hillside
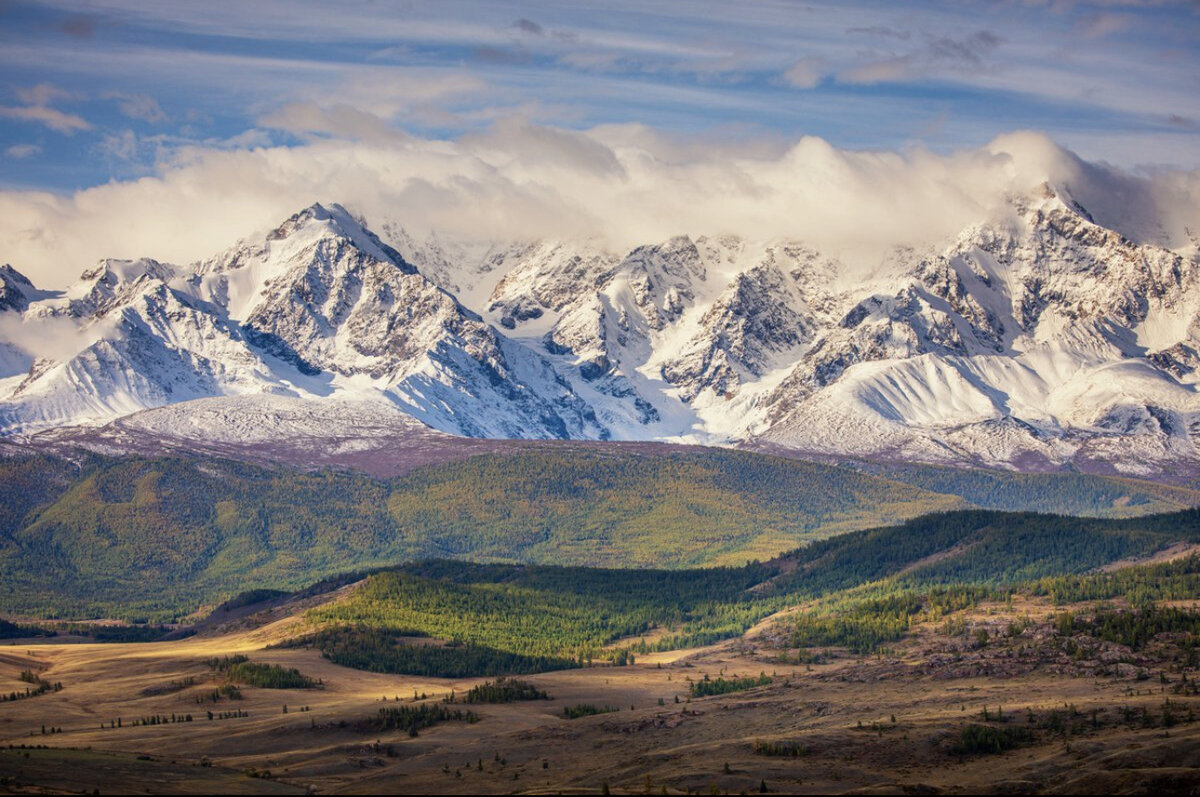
x=862 y=589
x=160 y=538
x=196 y=531
x=1062 y=493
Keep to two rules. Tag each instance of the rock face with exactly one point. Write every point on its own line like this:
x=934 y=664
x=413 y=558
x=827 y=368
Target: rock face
x=1046 y=340
x=15 y=289
x=757 y=323
x=320 y=307
x=1034 y=339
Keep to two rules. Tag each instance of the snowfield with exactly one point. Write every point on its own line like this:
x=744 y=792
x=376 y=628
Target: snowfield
x=1035 y=339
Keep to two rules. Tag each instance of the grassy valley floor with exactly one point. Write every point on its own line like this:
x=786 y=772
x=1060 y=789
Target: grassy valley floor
x=931 y=713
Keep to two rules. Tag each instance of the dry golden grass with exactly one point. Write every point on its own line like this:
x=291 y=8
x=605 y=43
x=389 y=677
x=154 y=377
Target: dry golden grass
x=697 y=745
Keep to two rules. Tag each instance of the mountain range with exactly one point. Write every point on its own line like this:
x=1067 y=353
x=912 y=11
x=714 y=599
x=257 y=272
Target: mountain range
x=1037 y=339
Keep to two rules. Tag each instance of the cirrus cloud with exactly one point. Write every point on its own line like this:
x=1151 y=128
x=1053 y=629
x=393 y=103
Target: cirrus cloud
x=37 y=109
x=22 y=151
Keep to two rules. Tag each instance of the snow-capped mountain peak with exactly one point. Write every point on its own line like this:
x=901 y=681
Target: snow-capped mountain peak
x=1037 y=337
x=16 y=291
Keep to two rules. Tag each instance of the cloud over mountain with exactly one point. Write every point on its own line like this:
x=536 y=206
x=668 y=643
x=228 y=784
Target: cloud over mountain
x=625 y=184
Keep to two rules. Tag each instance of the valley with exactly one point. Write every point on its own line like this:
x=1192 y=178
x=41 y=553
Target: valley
x=592 y=398
x=757 y=621
x=936 y=711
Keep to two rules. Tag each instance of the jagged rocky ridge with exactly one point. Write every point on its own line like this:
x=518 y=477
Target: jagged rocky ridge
x=1039 y=339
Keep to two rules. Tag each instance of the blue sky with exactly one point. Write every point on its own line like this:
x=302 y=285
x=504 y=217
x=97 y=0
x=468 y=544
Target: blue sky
x=94 y=92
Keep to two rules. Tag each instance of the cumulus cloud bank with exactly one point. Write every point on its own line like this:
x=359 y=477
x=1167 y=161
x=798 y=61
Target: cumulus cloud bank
x=22 y=340
x=627 y=184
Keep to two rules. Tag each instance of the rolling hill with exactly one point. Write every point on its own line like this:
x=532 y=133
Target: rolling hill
x=157 y=537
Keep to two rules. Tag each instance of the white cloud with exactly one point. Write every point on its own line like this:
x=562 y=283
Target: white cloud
x=50 y=117
x=522 y=181
x=22 y=151
x=50 y=337
x=804 y=74
x=121 y=146
x=389 y=91
x=42 y=94
x=343 y=121
x=38 y=99
x=888 y=70
x=139 y=106
x=1087 y=63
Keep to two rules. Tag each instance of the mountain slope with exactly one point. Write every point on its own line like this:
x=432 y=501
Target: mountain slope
x=1036 y=343
x=197 y=530
x=1036 y=339
x=322 y=307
